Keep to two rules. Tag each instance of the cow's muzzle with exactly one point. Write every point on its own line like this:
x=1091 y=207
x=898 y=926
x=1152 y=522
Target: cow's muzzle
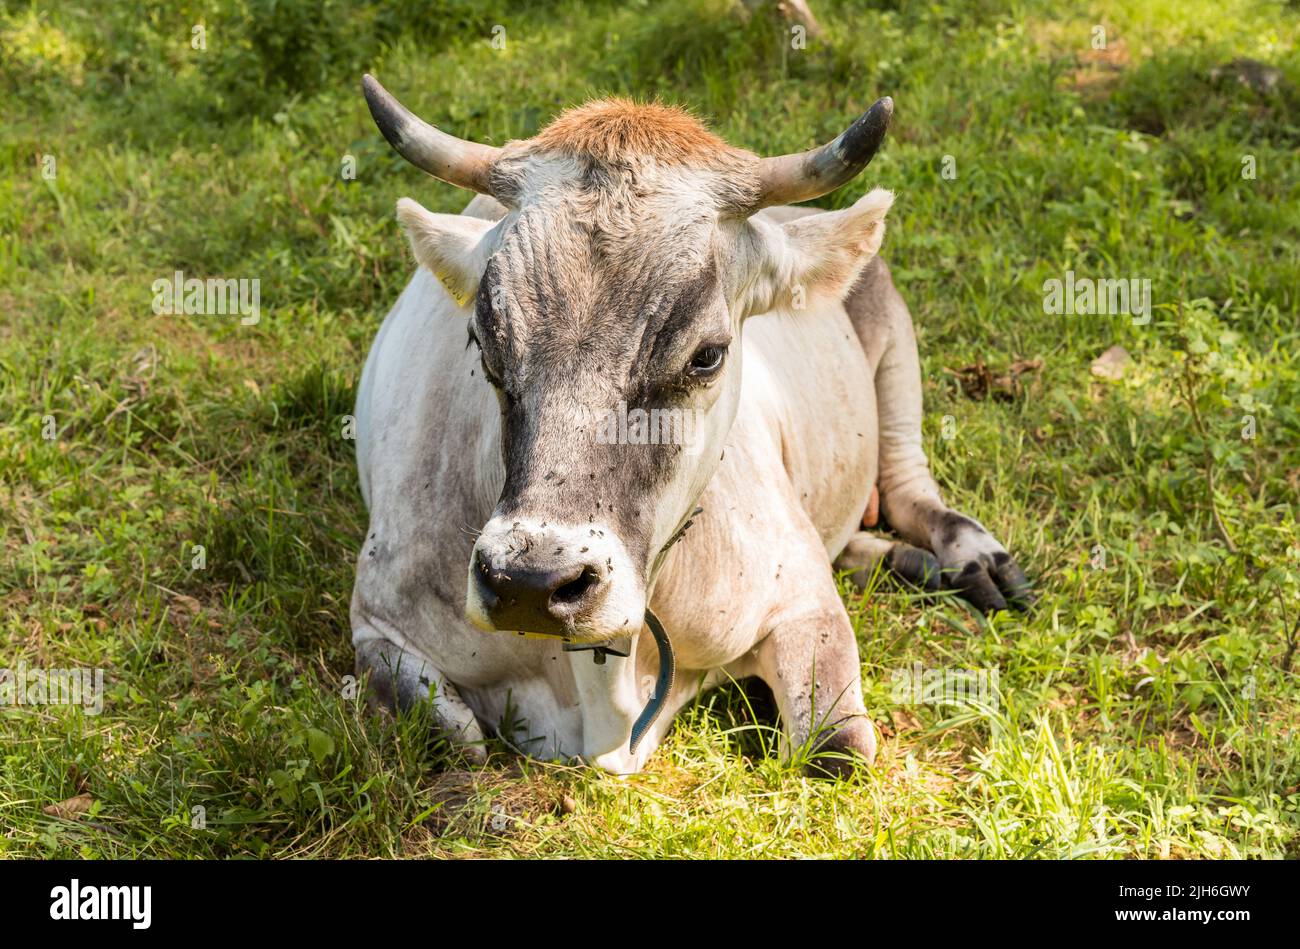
x=521 y=580
x=539 y=577
x=551 y=598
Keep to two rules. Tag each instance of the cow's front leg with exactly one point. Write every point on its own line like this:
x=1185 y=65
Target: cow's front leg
x=810 y=662
x=399 y=680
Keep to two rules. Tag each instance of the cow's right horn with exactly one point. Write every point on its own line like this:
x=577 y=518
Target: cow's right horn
x=787 y=179
x=454 y=160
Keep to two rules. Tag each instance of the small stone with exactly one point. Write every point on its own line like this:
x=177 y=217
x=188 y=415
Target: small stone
x=1112 y=364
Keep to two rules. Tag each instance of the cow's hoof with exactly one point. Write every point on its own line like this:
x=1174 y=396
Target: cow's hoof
x=992 y=582
x=913 y=565
x=843 y=751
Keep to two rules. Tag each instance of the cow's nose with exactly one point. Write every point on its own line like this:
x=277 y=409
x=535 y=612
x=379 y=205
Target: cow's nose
x=539 y=599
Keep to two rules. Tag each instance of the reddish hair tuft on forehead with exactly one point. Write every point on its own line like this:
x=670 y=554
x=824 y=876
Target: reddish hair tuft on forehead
x=614 y=131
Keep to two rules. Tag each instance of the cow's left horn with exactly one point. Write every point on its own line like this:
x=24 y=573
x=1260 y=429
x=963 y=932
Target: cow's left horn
x=454 y=160
x=787 y=179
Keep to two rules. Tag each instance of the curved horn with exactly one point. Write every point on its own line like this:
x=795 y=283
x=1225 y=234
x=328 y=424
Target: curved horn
x=787 y=179
x=454 y=160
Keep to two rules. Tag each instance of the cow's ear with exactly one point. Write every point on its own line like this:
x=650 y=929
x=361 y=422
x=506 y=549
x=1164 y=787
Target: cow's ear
x=817 y=255
x=451 y=246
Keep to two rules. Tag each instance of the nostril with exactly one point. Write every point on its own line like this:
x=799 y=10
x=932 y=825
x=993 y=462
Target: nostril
x=573 y=592
x=485 y=575
x=542 y=590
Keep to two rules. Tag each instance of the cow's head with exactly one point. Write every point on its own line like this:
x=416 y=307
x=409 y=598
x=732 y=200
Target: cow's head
x=607 y=305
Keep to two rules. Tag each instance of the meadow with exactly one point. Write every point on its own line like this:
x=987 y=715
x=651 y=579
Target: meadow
x=180 y=505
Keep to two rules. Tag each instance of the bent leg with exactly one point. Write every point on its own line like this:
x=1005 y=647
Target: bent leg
x=810 y=662
x=400 y=680
x=974 y=563
x=865 y=553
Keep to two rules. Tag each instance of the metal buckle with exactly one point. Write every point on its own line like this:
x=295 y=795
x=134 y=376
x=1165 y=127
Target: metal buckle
x=601 y=651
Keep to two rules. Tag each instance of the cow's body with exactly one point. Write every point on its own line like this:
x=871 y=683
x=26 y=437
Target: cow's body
x=827 y=406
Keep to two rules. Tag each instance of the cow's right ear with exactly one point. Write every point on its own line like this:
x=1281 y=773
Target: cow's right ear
x=450 y=246
x=819 y=254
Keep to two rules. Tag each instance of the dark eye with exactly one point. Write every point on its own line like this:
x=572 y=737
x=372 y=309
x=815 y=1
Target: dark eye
x=488 y=374
x=706 y=361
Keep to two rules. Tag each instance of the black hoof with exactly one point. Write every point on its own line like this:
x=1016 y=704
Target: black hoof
x=918 y=567
x=992 y=583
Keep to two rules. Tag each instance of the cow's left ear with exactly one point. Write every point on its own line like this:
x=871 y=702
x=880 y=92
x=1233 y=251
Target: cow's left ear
x=451 y=246
x=817 y=255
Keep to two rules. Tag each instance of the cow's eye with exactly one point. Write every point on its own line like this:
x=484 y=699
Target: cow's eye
x=482 y=359
x=706 y=361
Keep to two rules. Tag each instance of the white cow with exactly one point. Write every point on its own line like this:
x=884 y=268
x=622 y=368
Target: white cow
x=619 y=267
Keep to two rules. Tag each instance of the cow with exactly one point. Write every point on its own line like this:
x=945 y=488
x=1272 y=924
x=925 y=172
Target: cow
x=627 y=260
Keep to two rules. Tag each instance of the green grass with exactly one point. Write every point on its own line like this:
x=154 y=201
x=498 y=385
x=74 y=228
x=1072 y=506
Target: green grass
x=1145 y=708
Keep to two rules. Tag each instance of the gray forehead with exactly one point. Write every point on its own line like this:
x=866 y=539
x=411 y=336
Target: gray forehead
x=576 y=282
x=591 y=239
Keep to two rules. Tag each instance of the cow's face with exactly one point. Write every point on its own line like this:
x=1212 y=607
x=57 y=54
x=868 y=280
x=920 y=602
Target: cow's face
x=607 y=308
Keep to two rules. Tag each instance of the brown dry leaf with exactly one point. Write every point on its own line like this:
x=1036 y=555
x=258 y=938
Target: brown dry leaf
x=905 y=721
x=979 y=382
x=70 y=809
x=186 y=606
x=1112 y=364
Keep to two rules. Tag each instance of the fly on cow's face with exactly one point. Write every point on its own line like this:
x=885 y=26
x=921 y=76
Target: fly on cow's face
x=493 y=379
